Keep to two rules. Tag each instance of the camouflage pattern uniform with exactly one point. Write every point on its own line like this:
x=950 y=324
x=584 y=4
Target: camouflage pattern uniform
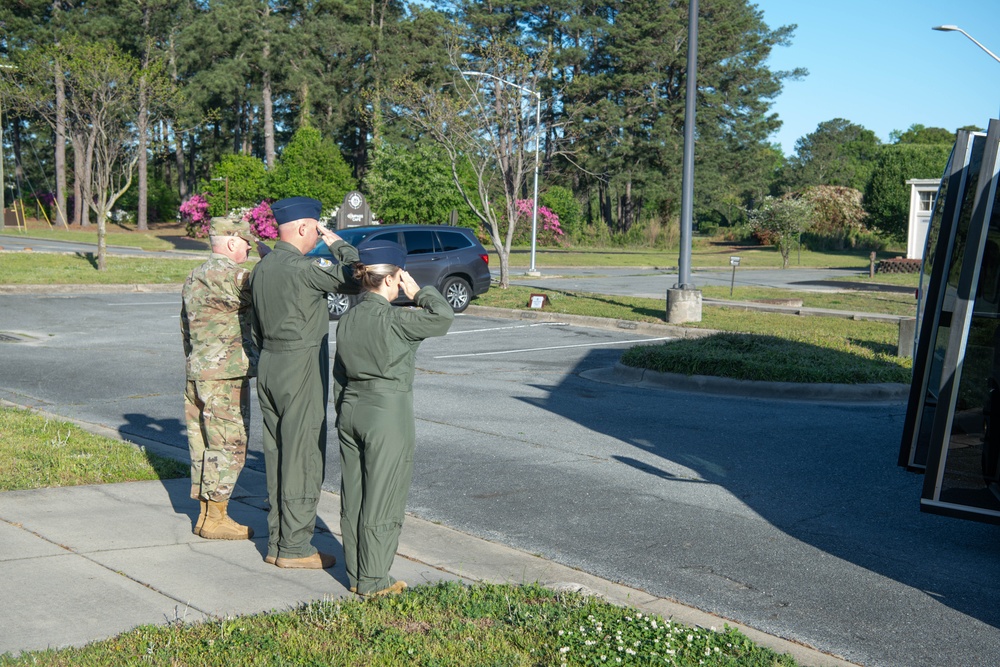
x=221 y=357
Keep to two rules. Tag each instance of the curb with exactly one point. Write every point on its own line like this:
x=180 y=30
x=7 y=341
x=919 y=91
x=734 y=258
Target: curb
x=885 y=392
x=90 y=289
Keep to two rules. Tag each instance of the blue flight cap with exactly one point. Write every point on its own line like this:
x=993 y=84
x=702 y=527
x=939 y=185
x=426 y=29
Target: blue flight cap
x=291 y=209
x=382 y=252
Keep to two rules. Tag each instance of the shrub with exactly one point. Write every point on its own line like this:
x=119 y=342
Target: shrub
x=838 y=216
x=246 y=179
x=194 y=213
x=414 y=186
x=561 y=201
x=887 y=197
x=161 y=200
x=262 y=221
x=311 y=166
x=548 y=230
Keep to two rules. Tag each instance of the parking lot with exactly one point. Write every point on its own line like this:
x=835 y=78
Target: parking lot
x=790 y=517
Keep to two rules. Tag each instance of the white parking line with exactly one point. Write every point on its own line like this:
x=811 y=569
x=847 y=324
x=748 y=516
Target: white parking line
x=554 y=347
x=516 y=326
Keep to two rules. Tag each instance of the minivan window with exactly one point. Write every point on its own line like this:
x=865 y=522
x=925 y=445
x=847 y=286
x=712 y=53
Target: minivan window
x=419 y=242
x=453 y=241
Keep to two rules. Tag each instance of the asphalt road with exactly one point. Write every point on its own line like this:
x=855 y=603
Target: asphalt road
x=790 y=517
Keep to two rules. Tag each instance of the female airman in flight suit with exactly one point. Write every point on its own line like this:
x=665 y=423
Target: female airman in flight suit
x=373 y=390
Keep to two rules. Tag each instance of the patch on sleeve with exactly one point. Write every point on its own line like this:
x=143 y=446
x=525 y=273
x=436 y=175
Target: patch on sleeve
x=323 y=263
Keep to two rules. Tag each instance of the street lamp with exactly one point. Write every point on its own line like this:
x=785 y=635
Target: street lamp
x=538 y=126
x=955 y=28
x=226 y=179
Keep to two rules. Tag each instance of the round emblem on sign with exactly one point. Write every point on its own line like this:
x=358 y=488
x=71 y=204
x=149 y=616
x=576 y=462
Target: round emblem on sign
x=354 y=200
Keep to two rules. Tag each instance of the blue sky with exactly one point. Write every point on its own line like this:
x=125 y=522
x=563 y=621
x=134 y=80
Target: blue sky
x=877 y=63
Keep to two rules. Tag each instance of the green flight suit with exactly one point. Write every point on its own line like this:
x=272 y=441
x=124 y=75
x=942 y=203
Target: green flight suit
x=291 y=327
x=373 y=390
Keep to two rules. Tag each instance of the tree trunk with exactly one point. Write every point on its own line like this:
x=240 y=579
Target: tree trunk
x=60 y=158
x=15 y=139
x=78 y=153
x=269 y=152
x=142 y=128
x=88 y=191
x=182 y=186
x=251 y=119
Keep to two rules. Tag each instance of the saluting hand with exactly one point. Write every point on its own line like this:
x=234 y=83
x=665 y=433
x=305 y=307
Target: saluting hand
x=329 y=238
x=408 y=285
x=262 y=248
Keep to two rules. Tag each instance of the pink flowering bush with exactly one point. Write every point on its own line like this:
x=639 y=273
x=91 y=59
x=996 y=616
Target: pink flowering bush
x=194 y=213
x=548 y=231
x=262 y=221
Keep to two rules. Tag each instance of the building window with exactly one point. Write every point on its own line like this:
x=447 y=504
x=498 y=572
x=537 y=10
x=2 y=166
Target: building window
x=926 y=200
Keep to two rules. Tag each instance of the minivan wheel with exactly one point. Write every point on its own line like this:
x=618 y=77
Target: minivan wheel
x=457 y=293
x=338 y=304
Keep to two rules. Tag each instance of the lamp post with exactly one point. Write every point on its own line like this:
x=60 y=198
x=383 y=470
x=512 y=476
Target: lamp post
x=955 y=28
x=226 y=179
x=538 y=126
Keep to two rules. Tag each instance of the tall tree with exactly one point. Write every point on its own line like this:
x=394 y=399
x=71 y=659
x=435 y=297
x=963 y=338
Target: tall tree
x=626 y=107
x=837 y=152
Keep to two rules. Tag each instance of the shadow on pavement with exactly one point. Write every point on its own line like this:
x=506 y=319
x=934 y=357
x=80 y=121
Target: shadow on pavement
x=817 y=472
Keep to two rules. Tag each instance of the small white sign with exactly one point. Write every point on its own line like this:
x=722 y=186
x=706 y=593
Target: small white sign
x=734 y=261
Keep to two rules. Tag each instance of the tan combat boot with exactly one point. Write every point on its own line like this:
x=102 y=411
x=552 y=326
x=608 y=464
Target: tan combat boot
x=218 y=525
x=201 y=516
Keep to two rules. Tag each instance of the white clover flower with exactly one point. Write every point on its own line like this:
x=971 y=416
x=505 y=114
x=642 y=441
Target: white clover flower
x=653 y=623
x=690 y=638
x=564 y=649
x=561 y=633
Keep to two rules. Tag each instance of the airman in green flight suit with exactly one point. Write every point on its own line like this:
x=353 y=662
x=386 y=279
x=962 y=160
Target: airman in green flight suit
x=373 y=390
x=291 y=329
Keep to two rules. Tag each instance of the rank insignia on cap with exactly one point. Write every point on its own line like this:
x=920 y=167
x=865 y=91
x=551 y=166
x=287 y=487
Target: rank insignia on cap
x=323 y=263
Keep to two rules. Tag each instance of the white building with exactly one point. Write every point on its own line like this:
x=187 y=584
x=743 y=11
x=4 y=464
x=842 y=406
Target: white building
x=922 y=193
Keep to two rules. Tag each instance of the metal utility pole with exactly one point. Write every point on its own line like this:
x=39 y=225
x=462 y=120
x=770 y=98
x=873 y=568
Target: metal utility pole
x=687 y=174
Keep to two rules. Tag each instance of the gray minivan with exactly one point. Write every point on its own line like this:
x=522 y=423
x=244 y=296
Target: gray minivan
x=450 y=258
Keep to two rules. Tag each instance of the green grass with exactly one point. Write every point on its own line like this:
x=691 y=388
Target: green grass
x=36 y=268
x=446 y=624
x=902 y=279
x=889 y=303
x=143 y=240
x=773 y=359
x=36 y=452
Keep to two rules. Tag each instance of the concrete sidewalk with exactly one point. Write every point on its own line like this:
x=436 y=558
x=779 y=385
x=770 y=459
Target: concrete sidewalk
x=86 y=563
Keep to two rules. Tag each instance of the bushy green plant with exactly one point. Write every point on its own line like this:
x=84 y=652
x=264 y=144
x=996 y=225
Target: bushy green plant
x=837 y=216
x=561 y=201
x=415 y=186
x=311 y=166
x=887 y=197
x=243 y=176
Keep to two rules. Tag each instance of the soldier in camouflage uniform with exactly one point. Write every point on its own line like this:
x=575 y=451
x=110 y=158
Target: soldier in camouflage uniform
x=221 y=357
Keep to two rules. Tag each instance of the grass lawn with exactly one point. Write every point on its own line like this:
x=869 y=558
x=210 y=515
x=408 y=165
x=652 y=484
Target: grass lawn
x=443 y=624
x=37 y=268
x=151 y=240
x=36 y=452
